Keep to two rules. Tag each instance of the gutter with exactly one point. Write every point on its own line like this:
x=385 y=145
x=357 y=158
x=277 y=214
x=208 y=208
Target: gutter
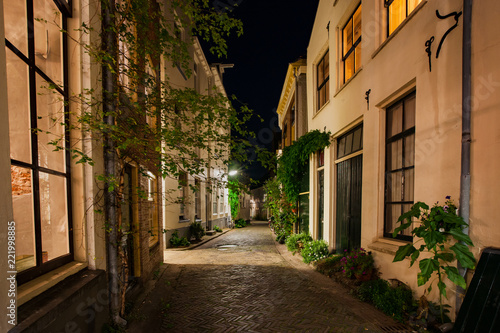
x=465 y=177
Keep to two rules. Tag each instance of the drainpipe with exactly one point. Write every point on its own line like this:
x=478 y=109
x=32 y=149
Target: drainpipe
x=465 y=178
x=109 y=109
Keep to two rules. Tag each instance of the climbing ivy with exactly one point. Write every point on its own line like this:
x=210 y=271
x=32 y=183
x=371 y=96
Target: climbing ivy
x=292 y=164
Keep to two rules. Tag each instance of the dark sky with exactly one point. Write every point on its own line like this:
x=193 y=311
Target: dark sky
x=276 y=32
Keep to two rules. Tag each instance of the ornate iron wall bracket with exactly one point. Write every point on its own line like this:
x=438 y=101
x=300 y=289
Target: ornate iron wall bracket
x=367 y=97
x=456 y=16
x=428 y=44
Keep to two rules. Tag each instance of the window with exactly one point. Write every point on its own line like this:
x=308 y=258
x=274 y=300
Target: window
x=215 y=197
x=222 y=199
x=398 y=11
x=350 y=142
x=197 y=198
x=183 y=186
x=351 y=45
x=400 y=163
x=323 y=71
x=151 y=207
x=36 y=59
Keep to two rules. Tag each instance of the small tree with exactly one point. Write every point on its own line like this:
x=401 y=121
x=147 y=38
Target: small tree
x=438 y=227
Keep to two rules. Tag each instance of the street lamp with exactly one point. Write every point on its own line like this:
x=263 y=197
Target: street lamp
x=233 y=172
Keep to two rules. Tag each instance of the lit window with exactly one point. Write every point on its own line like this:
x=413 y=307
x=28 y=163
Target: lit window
x=351 y=45
x=323 y=71
x=36 y=70
x=400 y=163
x=398 y=11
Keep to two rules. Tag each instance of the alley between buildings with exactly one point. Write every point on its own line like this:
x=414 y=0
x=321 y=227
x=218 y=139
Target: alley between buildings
x=243 y=281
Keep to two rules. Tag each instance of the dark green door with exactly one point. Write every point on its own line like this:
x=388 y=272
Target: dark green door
x=349 y=176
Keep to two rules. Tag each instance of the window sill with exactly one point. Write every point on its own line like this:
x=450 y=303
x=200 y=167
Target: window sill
x=184 y=220
x=347 y=82
x=386 y=245
x=37 y=286
x=398 y=29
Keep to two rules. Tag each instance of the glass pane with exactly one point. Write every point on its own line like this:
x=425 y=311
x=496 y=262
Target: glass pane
x=409 y=112
x=327 y=91
x=356 y=143
x=357 y=24
x=357 y=57
x=407 y=232
x=326 y=65
x=397 y=13
x=50 y=107
x=54 y=216
x=412 y=4
x=394 y=155
x=392 y=213
x=394 y=184
x=349 y=67
x=19 y=114
x=22 y=203
x=321 y=99
x=321 y=75
x=15 y=23
x=410 y=150
x=48 y=39
x=394 y=120
x=341 y=147
x=409 y=184
x=348 y=144
x=347 y=36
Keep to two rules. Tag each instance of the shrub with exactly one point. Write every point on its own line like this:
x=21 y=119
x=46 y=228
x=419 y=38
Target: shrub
x=281 y=237
x=396 y=302
x=197 y=231
x=314 y=250
x=240 y=223
x=216 y=228
x=294 y=242
x=357 y=262
x=175 y=241
x=329 y=265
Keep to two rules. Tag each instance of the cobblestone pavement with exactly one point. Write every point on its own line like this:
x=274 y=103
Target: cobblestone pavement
x=243 y=282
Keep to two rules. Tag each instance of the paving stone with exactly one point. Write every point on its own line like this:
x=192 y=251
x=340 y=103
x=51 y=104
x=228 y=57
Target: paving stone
x=254 y=286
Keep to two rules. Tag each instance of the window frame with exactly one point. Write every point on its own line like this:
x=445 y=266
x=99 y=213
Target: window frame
x=388 y=140
x=33 y=71
x=387 y=5
x=324 y=85
x=345 y=55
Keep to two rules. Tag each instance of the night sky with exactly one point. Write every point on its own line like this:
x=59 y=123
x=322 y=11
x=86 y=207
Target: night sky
x=276 y=32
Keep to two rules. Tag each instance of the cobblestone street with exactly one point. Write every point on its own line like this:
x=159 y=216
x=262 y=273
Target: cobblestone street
x=243 y=281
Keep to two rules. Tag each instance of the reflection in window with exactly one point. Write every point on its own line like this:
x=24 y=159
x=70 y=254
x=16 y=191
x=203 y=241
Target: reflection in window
x=400 y=163
x=398 y=11
x=351 y=45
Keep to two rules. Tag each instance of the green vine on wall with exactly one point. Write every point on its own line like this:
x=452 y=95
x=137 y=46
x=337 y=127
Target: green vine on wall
x=292 y=164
